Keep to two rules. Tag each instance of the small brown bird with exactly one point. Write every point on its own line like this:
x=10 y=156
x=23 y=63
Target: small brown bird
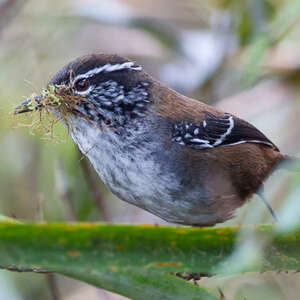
x=176 y=157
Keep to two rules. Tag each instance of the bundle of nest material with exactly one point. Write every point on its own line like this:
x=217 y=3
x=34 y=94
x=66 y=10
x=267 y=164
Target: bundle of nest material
x=58 y=98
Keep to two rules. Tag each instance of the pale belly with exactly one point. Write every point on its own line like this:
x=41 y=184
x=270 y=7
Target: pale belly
x=143 y=173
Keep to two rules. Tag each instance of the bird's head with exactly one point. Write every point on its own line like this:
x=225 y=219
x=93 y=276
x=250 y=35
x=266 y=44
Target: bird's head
x=103 y=89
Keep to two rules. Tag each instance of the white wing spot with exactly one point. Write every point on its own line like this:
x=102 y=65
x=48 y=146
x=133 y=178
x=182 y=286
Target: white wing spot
x=200 y=141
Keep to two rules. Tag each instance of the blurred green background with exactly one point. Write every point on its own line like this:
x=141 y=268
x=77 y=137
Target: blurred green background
x=242 y=56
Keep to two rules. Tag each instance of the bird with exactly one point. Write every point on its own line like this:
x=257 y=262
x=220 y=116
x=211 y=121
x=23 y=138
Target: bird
x=176 y=157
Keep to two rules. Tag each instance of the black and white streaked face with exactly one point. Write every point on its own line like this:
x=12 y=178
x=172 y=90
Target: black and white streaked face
x=115 y=89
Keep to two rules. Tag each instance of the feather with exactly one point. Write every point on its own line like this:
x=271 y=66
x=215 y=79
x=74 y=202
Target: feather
x=216 y=131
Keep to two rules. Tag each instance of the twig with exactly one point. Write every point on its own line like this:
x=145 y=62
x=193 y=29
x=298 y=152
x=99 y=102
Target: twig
x=64 y=191
x=53 y=287
x=94 y=185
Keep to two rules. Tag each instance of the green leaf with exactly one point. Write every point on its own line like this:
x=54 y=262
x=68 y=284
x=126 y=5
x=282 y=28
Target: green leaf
x=136 y=261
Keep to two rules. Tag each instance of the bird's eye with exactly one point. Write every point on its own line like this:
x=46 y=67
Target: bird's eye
x=81 y=85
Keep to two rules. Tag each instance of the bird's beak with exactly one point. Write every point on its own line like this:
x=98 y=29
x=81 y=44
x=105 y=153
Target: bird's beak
x=31 y=104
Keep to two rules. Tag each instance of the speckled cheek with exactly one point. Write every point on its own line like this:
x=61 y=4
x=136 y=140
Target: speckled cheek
x=111 y=103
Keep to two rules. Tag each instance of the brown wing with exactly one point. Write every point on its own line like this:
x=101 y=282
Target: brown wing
x=202 y=126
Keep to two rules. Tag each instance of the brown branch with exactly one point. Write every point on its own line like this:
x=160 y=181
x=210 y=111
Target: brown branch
x=51 y=278
x=93 y=183
x=64 y=191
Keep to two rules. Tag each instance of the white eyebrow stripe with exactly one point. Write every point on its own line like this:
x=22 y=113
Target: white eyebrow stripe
x=108 y=68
